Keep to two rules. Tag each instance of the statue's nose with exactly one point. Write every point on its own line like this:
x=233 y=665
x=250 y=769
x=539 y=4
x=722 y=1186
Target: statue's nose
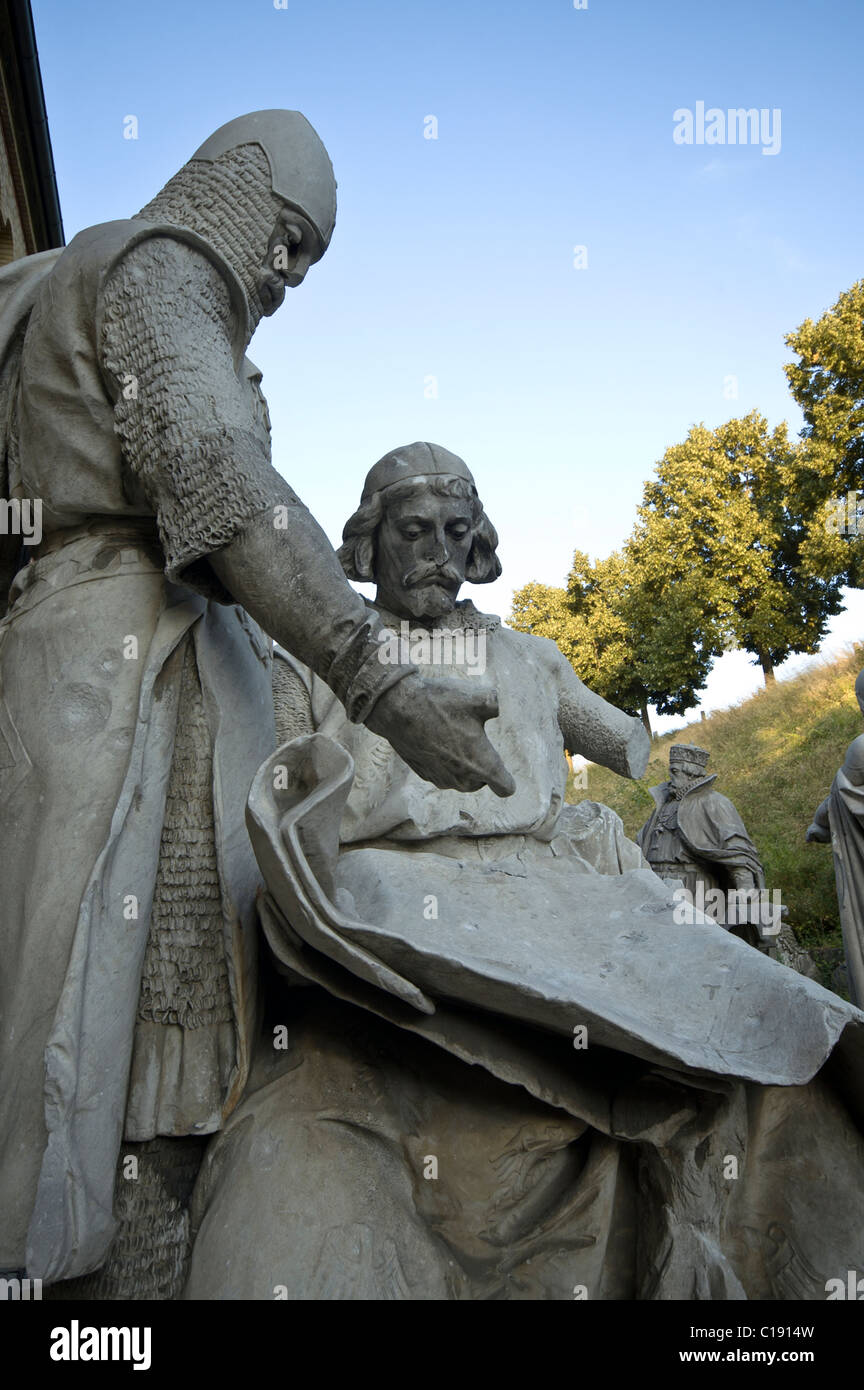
x=438 y=552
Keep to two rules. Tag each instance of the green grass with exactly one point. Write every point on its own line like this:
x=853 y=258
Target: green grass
x=775 y=755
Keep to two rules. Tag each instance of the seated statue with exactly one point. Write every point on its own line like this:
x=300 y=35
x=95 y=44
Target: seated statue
x=839 y=821
x=496 y=1064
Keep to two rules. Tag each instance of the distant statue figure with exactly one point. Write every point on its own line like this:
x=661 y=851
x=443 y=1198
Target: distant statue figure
x=695 y=834
x=840 y=821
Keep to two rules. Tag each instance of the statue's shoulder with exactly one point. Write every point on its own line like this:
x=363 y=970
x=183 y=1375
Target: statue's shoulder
x=706 y=799
x=103 y=246
x=102 y=241
x=704 y=804
x=853 y=763
x=540 y=651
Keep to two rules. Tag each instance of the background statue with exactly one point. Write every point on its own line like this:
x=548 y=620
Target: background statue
x=135 y=697
x=495 y=1064
x=695 y=834
x=839 y=820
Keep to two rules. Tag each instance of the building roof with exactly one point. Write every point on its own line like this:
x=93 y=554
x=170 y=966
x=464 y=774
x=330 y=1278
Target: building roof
x=28 y=163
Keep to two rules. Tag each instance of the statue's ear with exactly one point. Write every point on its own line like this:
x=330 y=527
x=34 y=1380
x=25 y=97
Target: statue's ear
x=364 y=560
x=483 y=565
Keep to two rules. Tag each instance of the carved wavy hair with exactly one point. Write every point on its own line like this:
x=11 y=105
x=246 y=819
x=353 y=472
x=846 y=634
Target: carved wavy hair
x=357 y=551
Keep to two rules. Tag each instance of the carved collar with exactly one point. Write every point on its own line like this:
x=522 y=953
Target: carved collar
x=464 y=615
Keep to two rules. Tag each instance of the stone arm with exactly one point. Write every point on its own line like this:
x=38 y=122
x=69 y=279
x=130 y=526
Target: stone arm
x=196 y=442
x=599 y=731
x=819 y=829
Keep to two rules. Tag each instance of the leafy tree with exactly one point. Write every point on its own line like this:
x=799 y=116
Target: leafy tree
x=718 y=559
x=726 y=514
x=827 y=381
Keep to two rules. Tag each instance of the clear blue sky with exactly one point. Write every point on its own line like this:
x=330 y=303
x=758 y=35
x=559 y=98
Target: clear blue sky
x=453 y=257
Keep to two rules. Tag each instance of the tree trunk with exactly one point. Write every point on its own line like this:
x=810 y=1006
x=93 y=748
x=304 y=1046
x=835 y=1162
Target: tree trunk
x=645 y=720
x=767 y=669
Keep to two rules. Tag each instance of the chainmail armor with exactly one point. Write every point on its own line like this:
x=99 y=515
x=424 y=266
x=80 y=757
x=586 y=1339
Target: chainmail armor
x=193 y=432
x=149 y=1255
x=231 y=204
x=292 y=706
x=185 y=975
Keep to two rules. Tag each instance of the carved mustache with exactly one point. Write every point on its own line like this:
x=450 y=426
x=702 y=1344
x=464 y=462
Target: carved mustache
x=427 y=573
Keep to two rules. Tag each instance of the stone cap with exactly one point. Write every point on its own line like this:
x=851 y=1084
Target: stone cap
x=688 y=753
x=420 y=460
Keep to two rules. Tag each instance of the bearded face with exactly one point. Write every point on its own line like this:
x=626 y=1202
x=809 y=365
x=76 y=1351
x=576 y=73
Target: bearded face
x=422 y=550
x=683 y=775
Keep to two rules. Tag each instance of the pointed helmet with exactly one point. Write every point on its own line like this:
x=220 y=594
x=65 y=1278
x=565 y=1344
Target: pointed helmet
x=300 y=168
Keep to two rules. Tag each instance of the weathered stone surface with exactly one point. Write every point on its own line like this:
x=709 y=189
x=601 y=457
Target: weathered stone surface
x=130 y=412
x=620 y=1059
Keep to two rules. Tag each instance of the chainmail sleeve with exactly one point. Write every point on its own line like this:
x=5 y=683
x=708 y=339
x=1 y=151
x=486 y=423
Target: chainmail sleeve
x=292 y=706
x=194 y=432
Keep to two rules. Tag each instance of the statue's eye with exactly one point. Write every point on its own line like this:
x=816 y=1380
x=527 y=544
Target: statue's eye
x=289 y=240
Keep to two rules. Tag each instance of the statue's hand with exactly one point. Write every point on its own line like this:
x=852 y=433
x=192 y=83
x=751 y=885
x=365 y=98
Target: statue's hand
x=818 y=833
x=437 y=727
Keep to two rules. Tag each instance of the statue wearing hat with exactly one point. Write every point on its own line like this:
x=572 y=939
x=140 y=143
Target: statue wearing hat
x=695 y=834
x=135 y=691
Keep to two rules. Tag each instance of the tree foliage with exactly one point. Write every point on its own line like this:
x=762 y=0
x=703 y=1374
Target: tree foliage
x=716 y=560
x=726 y=512
x=827 y=381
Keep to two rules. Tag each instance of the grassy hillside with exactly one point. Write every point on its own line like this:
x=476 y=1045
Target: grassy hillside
x=775 y=755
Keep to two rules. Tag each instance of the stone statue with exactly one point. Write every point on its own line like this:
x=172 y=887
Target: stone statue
x=495 y=1064
x=695 y=835
x=135 y=687
x=839 y=821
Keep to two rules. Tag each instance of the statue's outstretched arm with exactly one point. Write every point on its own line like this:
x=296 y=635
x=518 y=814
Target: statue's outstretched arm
x=599 y=731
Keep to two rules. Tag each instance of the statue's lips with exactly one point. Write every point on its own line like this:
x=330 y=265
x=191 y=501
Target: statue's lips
x=443 y=579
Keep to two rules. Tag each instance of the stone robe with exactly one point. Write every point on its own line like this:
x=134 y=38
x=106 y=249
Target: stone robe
x=616 y=1059
x=92 y=653
x=845 y=814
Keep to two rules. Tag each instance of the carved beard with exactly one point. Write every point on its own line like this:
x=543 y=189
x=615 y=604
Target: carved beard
x=423 y=597
x=428 y=601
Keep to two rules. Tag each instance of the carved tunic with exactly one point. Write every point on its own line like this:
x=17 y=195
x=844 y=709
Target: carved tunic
x=138 y=488
x=542 y=704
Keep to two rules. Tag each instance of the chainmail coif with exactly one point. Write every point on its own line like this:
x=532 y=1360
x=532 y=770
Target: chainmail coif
x=231 y=204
